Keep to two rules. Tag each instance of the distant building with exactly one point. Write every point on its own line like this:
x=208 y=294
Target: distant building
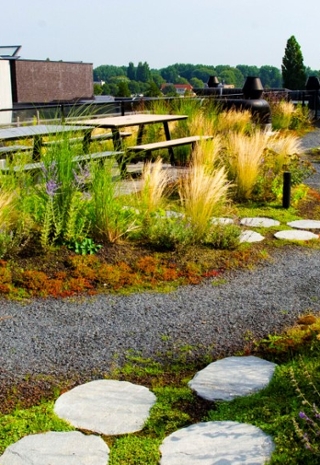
x=41 y=81
x=181 y=89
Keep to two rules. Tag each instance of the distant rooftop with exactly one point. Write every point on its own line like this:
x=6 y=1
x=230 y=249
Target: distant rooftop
x=9 y=51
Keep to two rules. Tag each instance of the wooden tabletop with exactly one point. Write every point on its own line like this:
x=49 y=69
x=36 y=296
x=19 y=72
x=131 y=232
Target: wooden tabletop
x=113 y=122
x=21 y=132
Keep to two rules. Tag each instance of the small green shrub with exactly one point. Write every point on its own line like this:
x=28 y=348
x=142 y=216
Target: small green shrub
x=169 y=233
x=223 y=236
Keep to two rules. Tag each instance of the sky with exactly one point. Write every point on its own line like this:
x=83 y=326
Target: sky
x=162 y=33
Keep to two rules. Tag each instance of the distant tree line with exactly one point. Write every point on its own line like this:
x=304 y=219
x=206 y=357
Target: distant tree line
x=125 y=81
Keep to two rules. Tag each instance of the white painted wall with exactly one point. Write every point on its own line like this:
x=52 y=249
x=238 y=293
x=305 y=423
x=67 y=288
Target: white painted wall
x=5 y=92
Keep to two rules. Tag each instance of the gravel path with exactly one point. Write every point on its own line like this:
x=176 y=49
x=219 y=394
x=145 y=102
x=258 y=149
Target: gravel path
x=61 y=337
x=92 y=334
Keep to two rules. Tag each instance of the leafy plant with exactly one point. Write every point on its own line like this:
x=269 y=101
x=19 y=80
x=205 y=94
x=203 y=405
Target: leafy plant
x=85 y=247
x=169 y=233
x=223 y=236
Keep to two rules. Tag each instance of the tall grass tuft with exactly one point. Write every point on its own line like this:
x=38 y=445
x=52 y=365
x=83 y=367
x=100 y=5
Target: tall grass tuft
x=202 y=195
x=154 y=184
x=243 y=158
x=207 y=153
x=233 y=120
x=282 y=114
x=283 y=145
x=110 y=220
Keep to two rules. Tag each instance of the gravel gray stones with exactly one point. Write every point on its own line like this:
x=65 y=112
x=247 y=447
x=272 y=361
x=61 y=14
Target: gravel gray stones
x=217 y=443
x=232 y=377
x=106 y=406
x=294 y=235
x=90 y=335
x=53 y=448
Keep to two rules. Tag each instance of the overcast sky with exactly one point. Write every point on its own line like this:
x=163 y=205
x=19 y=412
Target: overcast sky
x=163 y=32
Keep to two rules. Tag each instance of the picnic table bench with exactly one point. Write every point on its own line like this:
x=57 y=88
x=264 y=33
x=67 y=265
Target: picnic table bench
x=116 y=123
x=149 y=148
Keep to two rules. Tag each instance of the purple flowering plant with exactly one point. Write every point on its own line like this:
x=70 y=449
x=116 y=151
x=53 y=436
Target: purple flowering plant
x=307 y=427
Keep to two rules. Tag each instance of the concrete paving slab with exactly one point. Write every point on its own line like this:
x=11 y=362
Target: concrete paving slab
x=57 y=448
x=296 y=235
x=305 y=224
x=250 y=236
x=232 y=377
x=259 y=222
x=107 y=407
x=217 y=443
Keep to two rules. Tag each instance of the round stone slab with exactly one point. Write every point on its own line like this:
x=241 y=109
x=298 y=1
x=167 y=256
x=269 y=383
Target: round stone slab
x=106 y=406
x=232 y=377
x=259 y=222
x=217 y=442
x=294 y=235
x=250 y=236
x=305 y=224
x=52 y=448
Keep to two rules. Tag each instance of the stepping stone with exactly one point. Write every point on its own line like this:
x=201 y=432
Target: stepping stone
x=217 y=442
x=250 y=236
x=52 y=448
x=292 y=235
x=305 y=224
x=259 y=222
x=232 y=377
x=222 y=221
x=107 y=407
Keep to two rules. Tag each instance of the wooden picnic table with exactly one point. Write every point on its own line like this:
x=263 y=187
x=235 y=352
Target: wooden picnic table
x=115 y=123
x=38 y=132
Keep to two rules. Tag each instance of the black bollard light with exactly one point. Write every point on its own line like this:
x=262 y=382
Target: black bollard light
x=286 y=189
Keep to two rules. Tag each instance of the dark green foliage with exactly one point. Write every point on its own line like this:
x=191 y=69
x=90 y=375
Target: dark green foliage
x=293 y=69
x=123 y=89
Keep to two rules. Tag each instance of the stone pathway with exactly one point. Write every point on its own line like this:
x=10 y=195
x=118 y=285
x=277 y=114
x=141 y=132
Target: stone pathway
x=113 y=407
x=107 y=407
x=217 y=443
x=232 y=377
x=52 y=448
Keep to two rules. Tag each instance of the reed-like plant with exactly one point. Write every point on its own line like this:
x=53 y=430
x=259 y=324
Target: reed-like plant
x=202 y=195
x=243 y=159
x=110 y=220
x=154 y=183
x=283 y=145
x=208 y=153
x=282 y=114
x=233 y=120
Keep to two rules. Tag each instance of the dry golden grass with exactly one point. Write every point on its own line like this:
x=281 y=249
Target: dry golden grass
x=233 y=120
x=154 y=183
x=207 y=153
x=6 y=210
x=201 y=125
x=244 y=154
x=283 y=145
x=202 y=196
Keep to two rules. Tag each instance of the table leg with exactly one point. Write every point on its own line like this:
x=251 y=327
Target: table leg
x=86 y=142
x=118 y=147
x=140 y=134
x=168 y=137
x=37 y=144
